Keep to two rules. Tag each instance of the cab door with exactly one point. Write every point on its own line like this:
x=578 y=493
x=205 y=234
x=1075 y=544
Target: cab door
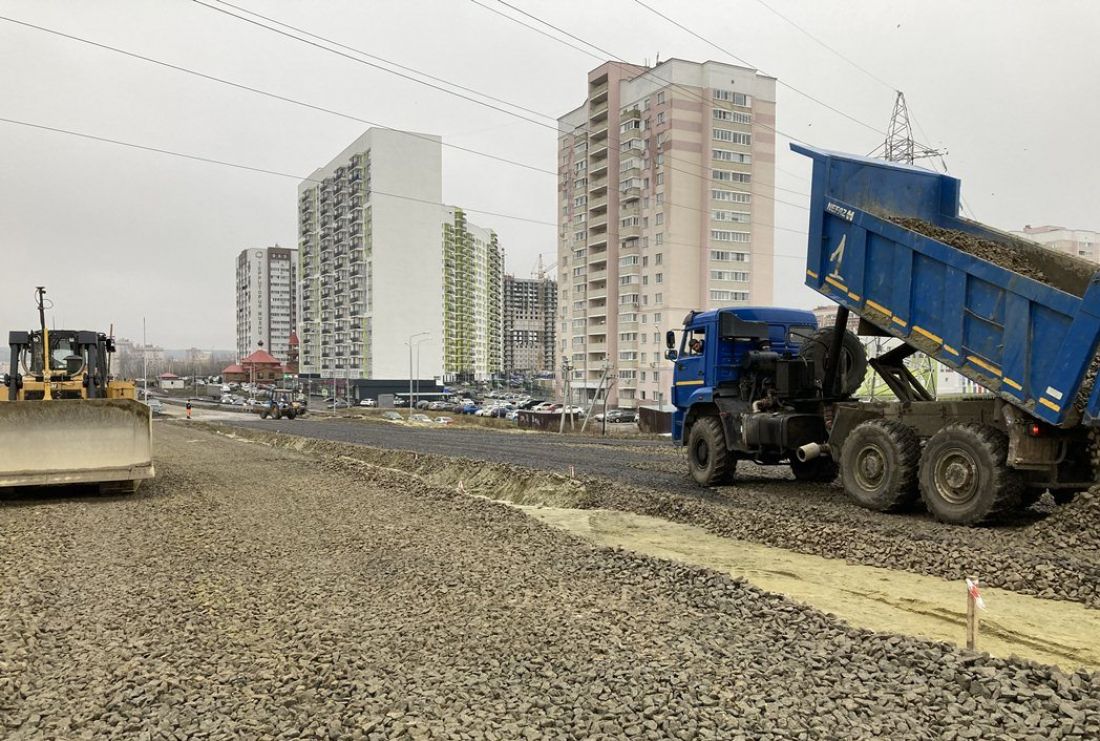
x=690 y=373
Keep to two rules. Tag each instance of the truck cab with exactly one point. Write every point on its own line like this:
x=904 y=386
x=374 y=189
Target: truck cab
x=747 y=386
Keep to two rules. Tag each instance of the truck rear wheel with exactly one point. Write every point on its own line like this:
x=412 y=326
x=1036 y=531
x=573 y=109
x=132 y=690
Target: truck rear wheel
x=708 y=459
x=879 y=465
x=964 y=476
x=822 y=469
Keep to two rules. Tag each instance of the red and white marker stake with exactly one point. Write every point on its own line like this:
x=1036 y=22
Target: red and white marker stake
x=974 y=602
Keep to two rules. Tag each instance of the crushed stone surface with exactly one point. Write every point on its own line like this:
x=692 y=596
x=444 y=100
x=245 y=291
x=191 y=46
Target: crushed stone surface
x=255 y=592
x=1059 y=559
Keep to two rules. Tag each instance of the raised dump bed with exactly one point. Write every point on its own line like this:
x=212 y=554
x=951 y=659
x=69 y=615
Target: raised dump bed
x=886 y=241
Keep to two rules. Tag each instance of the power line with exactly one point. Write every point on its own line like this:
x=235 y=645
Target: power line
x=553 y=127
x=268 y=94
x=371 y=64
x=787 y=85
x=251 y=168
x=822 y=44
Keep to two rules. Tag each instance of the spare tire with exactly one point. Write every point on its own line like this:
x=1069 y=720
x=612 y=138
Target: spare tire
x=853 y=358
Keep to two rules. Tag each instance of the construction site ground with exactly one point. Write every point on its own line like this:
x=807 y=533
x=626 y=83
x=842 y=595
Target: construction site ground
x=365 y=584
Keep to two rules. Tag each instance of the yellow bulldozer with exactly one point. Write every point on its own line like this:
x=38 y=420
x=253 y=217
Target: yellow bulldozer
x=64 y=419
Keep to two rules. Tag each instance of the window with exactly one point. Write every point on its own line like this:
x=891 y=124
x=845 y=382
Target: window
x=660 y=198
x=579 y=271
x=733 y=196
x=645 y=280
x=628 y=298
x=730 y=176
x=627 y=375
x=734 y=137
x=725 y=235
x=660 y=98
x=660 y=218
x=741 y=217
x=628 y=261
x=731 y=97
x=659 y=278
x=628 y=336
x=580 y=201
x=631 y=355
x=721 y=114
x=660 y=238
x=659 y=258
x=657 y=318
x=661 y=118
x=729 y=295
x=733 y=275
x=630 y=221
x=626 y=280
x=627 y=318
x=656 y=338
x=728 y=155
x=659 y=298
x=660 y=178
x=725 y=256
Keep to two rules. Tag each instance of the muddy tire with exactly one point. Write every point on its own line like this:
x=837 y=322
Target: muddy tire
x=265 y=413
x=708 y=459
x=277 y=413
x=290 y=413
x=822 y=469
x=964 y=476
x=853 y=358
x=879 y=465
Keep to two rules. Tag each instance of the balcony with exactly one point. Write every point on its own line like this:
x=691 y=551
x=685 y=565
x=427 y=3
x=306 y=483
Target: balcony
x=597 y=294
x=597 y=243
x=598 y=153
x=597 y=204
x=597 y=185
x=597 y=310
x=633 y=231
x=629 y=195
x=597 y=347
x=598 y=93
x=598 y=223
x=595 y=276
x=598 y=169
x=597 y=111
x=598 y=132
x=631 y=114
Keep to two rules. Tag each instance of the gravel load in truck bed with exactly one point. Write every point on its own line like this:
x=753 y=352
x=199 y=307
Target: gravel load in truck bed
x=253 y=592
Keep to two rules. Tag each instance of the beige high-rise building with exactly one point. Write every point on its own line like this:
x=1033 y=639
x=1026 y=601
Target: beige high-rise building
x=666 y=185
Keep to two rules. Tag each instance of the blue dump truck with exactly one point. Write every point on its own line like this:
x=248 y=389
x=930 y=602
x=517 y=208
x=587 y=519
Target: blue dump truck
x=887 y=245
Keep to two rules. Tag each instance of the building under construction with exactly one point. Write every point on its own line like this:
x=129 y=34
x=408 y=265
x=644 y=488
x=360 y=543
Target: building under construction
x=530 y=305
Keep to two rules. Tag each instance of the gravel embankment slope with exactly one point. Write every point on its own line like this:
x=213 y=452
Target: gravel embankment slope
x=255 y=592
x=1055 y=557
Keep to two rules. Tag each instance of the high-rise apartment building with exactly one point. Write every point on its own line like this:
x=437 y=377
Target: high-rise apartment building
x=383 y=262
x=371 y=272
x=1076 y=242
x=665 y=198
x=473 y=270
x=267 y=306
x=530 y=317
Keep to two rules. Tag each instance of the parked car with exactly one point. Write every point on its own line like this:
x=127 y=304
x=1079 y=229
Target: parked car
x=437 y=406
x=617 y=416
x=423 y=404
x=155 y=406
x=469 y=408
x=399 y=402
x=443 y=420
x=392 y=416
x=368 y=403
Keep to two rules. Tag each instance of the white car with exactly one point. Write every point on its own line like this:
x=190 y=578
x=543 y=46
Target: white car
x=368 y=403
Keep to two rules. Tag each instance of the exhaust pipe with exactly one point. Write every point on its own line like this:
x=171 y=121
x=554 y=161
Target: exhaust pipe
x=811 y=450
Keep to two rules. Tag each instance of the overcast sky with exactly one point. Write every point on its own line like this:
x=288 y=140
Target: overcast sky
x=1009 y=88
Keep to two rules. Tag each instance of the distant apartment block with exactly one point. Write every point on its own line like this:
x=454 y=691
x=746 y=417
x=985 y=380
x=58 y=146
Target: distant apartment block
x=530 y=318
x=1077 y=242
x=473 y=271
x=381 y=260
x=267 y=308
x=665 y=205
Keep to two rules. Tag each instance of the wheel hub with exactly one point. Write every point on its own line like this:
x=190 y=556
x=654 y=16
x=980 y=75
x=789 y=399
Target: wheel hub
x=956 y=476
x=870 y=467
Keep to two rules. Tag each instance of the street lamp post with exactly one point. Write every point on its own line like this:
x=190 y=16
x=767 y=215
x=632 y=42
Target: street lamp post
x=418 y=343
x=410 y=344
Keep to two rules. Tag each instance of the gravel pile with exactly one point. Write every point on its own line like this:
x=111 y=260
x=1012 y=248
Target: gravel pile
x=252 y=593
x=999 y=254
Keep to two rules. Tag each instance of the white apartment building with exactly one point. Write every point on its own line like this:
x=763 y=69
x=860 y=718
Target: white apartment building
x=1076 y=242
x=267 y=304
x=382 y=260
x=665 y=205
x=371 y=273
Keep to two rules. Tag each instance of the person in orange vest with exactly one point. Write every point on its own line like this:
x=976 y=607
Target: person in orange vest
x=189 y=409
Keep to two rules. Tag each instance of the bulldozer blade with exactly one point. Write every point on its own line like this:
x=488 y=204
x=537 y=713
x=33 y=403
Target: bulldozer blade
x=75 y=441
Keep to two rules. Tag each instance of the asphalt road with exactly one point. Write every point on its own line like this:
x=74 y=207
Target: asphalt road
x=642 y=462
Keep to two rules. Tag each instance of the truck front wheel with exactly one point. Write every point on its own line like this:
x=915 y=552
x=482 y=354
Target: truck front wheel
x=708 y=459
x=965 y=477
x=879 y=462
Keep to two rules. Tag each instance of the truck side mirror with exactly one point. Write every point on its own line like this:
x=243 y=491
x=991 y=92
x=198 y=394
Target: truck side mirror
x=670 y=339
x=671 y=354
